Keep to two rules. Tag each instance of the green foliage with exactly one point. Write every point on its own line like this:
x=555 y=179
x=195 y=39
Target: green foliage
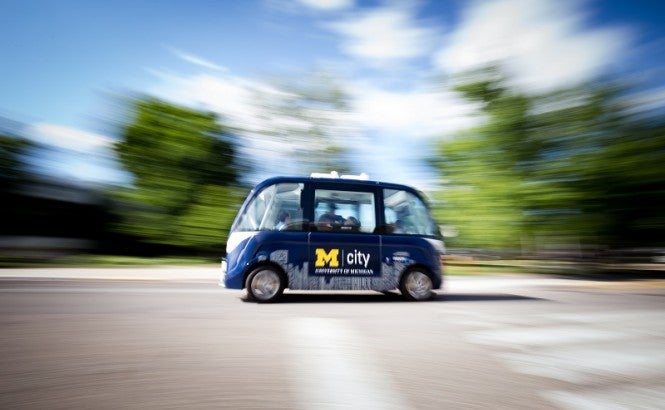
x=205 y=224
x=171 y=146
x=568 y=168
x=184 y=173
x=13 y=177
x=12 y=161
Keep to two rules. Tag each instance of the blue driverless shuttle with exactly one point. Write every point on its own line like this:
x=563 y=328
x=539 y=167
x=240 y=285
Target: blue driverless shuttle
x=327 y=232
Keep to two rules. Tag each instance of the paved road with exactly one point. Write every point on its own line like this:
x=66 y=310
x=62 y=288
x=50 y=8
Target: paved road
x=488 y=342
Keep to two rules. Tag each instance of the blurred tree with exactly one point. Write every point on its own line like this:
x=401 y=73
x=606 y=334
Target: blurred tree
x=626 y=175
x=14 y=153
x=308 y=123
x=486 y=170
x=44 y=216
x=565 y=169
x=184 y=191
x=13 y=176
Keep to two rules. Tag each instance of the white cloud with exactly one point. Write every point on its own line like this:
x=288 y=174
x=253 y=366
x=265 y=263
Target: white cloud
x=235 y=98
x=385 y=35
x=242 y=103
x=326 y=5
x=196 y=60
x=542 y=45
x=74 y=153
x=68 y=138
x=392 y=128
x=417 y=114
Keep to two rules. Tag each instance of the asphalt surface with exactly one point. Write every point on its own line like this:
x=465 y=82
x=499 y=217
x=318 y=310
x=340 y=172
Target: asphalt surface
x=171 y=338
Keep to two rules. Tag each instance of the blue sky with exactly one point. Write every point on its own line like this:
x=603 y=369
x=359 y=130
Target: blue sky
x=62 y=60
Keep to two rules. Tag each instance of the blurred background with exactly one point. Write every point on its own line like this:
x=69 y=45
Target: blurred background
x=135 y=129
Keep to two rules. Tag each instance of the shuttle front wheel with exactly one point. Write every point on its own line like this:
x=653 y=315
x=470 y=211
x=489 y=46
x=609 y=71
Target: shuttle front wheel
x=265 y=285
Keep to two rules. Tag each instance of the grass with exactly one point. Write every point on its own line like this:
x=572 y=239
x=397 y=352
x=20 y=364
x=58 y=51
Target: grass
x=117 y=260
x=105 y=261
x=487 y=267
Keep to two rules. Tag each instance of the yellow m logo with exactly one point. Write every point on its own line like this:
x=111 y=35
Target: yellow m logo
x=323 y=257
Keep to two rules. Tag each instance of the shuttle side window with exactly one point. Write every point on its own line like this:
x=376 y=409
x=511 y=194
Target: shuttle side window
x=344 y=211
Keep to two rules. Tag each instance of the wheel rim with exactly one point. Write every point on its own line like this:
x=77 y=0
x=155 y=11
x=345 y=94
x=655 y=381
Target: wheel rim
x=418 y=285
x=265 y=284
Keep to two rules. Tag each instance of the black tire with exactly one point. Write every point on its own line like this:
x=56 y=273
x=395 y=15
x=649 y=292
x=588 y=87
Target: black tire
x=265 y=285
x=416 y=285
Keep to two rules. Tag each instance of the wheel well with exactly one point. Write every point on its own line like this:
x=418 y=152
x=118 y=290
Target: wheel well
x=261 y=264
